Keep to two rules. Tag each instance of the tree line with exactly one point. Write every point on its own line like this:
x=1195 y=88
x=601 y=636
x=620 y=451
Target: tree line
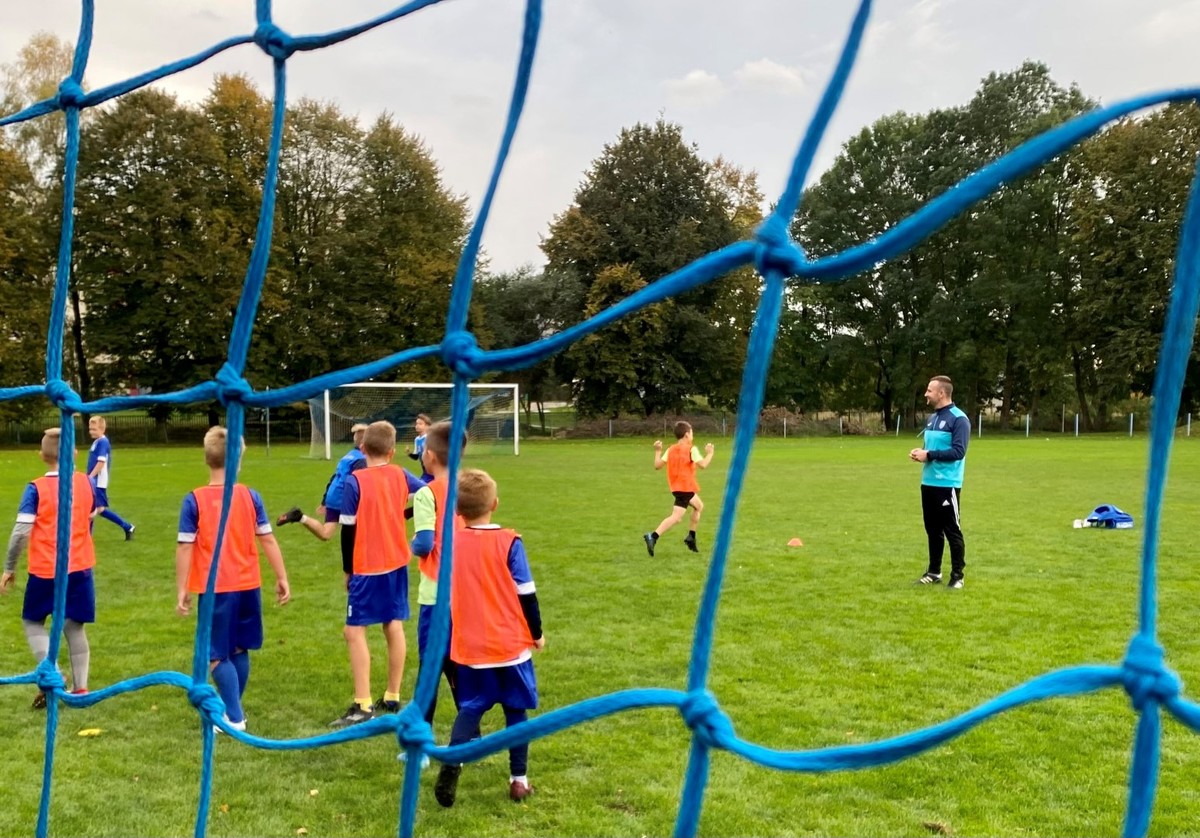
x=1051 y=291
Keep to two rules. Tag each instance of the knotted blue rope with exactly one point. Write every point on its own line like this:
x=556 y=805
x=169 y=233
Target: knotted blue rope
x=778 y=260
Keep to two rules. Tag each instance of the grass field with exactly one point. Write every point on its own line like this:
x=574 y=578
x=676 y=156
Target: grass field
x=822 y=645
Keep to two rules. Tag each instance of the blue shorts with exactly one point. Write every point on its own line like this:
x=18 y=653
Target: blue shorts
x=425 y=628
x=81 y=598
x=236 y=623
x=101 y=497
x=332 y=515
x=377 y=599
x=511 y=686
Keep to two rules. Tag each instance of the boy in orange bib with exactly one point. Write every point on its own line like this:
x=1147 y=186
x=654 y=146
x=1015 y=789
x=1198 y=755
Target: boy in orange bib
x=497 y=625
x=681 y=461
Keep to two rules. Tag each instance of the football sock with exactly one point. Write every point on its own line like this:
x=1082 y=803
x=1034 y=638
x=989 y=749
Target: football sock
x=691 y=536
x=387 y=696
x=654 y=535
x=364 y=704
x=224 y=675
x=39 y=639
x=81 y=654
x=241 y=663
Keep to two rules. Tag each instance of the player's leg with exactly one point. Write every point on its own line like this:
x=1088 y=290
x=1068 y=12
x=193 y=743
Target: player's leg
x=241 y=663
x=38 y=604
x=518 y=694
x=247 y=635
x=81 y=655
x=220 y=649
x=397 y=648
x=360 y=663
x=477 y=693
x=109 y=515
x=697 y=506
x=81 y=609
x=424 y=622
x=952 y=527
x=678 y=508
x=931 y=514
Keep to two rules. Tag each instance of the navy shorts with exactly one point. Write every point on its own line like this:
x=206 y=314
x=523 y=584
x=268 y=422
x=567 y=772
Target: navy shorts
x=683 y=499
x=332 y=515
x=425 y=629
x=377 y=599
x=511 y=686
x=236 y=623
x=101 y=497
x=81 y=598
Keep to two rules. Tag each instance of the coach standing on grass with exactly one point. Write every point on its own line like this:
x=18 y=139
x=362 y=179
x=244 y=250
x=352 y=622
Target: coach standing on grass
x=946 y=436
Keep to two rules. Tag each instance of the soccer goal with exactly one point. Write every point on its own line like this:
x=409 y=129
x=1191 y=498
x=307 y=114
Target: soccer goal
x=494 y=411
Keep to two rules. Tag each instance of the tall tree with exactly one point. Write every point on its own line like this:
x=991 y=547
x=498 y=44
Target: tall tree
x=524 y=306
x=649 y=205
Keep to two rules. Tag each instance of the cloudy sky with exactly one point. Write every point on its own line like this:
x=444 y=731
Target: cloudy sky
x=742 y=77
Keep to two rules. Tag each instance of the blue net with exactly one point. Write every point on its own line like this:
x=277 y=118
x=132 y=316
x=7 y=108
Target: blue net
x=1142 y=674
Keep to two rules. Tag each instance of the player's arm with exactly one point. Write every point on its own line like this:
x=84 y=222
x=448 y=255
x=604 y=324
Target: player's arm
x=189 y=525
x=518 y=569
x=659 y=462
x=706 y=459
x=183 y=563
x=424 y=515
x=349 y=522
x=26 y=514
x=16 y=546
x=960 y=435
x=270 y=546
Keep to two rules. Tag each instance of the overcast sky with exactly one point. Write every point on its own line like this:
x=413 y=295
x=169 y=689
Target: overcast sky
x=742 y=77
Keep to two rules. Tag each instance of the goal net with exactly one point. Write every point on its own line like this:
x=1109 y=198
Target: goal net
x=493 y=410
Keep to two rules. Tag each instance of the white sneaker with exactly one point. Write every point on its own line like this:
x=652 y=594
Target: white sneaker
x=240 y=726
x=403 y=757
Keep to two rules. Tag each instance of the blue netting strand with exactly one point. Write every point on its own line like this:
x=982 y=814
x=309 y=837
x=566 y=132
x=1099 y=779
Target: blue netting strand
x=1143 y=674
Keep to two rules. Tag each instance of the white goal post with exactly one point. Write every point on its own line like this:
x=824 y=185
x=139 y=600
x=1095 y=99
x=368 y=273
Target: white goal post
x=495 y=411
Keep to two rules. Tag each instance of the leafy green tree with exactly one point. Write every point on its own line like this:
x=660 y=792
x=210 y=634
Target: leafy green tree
x=155 y=260
x=524 y=306
x=651 y=204
x=1127 y=212
x=25 y=283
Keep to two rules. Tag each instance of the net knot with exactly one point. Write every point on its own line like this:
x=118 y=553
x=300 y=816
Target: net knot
x=231 y=387
x=70 y=93
x=205 y=699
x=704 y=716
x=49 y=679
x=775 y=250
x=1144 y=676
x=462 y=354
x=412 y=731
x=62 y=396
x=274 y=41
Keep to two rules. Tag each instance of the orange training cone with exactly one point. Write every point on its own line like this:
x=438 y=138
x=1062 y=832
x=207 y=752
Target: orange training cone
x=795 y=542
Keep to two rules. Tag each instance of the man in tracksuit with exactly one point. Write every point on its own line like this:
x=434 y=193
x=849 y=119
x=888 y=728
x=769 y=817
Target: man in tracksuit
x=946 y=436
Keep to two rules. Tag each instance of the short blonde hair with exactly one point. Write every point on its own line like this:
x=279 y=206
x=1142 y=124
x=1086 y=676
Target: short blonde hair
x=476 y=493
x=99 y=422
x=214 y=447
x=379 y=439
x=50 y=440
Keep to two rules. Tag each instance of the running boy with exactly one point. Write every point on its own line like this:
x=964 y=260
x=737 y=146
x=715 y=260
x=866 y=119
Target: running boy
x=99 y=464
x=237 y=626
x=429 y=504
x=375 y=548
x=681 y=461
x=37 y=526
x=494 y=609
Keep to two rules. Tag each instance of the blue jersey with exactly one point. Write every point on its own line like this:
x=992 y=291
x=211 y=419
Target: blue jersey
x=100 y=452
x=353 y=461
x=946 y=436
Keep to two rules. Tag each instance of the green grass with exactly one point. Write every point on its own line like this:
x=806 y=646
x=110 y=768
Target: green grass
x=823 y=645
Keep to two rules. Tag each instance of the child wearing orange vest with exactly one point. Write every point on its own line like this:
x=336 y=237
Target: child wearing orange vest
x=429 y=504
x=237 y=626
x=497 y=624
x=375 y=548
x=681 y=461
x=37 y=526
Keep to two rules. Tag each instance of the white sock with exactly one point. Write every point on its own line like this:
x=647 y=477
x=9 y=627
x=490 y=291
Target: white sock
x=523 y=780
